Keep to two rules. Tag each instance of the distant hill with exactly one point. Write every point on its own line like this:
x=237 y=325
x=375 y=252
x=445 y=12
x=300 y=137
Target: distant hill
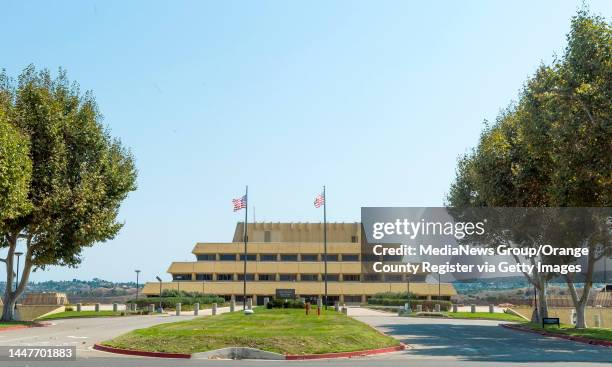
x=84 y=290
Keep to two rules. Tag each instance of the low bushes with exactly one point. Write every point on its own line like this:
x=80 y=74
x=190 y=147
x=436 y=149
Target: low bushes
x=284 y=303
x=398 y=295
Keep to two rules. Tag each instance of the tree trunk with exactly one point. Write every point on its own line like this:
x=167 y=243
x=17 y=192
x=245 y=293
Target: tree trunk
x=543 y=299
x=10 y=295
x=535 y=317
x=581 y=302
x=8 y=310
x=540 y=284
x=8 y=298
x=581 y=315
x=540 y=309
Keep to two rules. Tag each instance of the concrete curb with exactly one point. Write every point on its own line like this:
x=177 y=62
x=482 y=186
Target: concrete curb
x=141 y=353
x=358 y=353
x=17 y=327
x=579 y=339
x=238 y=353
x=14 y=327
x=249 y=353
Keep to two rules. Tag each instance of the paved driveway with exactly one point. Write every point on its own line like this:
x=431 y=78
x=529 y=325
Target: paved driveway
x=433 y=343
x=85 y=332
x=476 y=340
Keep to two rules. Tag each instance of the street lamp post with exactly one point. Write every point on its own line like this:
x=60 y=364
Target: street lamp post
x=408 y=290
x=535 y=303
x=605 y=282
x=160 y=293
x=18 y=254
x=137 y=272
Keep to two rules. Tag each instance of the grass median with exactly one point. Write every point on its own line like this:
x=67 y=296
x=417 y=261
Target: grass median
x=285 y=331
x=590 y=333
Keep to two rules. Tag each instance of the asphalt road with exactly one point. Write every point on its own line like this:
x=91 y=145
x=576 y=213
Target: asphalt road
x=83 y=332
x=432 y=342
x=462 y=341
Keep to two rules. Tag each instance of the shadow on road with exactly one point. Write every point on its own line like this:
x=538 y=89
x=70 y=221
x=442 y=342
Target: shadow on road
x=491 y=343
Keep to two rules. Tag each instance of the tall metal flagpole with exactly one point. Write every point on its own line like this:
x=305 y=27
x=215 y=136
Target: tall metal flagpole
x=244 y=277
x=325 y=240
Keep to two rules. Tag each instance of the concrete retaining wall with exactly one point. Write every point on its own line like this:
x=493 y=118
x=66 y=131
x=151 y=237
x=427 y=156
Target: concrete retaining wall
x=32 y=312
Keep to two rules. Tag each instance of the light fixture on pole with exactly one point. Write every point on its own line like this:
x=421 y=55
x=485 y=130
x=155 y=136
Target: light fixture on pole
x=137 y=272
x=160 y=294
x=18 y=254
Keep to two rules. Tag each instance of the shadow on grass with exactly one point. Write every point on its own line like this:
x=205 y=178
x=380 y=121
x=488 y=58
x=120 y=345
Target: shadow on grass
x=491 y=343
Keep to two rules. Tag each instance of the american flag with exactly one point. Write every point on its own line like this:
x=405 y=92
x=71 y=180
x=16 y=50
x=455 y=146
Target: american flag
x=319 y=200
x=239 y=203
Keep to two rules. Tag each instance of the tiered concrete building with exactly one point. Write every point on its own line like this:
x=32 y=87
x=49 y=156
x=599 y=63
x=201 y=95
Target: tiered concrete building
x=290 y=256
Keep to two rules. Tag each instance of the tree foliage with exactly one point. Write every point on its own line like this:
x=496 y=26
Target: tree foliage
x=553 y=148
x=15 y=164
x=79 y=173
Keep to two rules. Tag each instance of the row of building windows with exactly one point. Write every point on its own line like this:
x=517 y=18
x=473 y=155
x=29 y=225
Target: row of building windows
x=268 y=237
x=278 y=257
x=228 y=277
x=290 y=277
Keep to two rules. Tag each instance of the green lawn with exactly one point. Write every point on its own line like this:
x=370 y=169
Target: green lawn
x=286 y=331
x=591 y=333
x=75 y=314
x=485 y=315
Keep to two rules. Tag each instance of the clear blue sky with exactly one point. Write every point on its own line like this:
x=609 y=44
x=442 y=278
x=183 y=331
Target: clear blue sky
x=373 y=99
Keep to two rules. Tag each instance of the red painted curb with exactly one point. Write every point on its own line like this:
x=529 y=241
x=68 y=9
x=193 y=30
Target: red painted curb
x=579 y=339
x=141 y=353
x=358 y=353
x=14 y=327
x=17 y=327
x=132 y=352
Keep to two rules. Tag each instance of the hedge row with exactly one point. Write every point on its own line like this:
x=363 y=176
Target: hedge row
x=282 y=303
x=427 y=305
x=395 y=295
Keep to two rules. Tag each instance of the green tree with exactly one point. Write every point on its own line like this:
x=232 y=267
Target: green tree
x=499 y=173
x=80 y=176
x=553 y=148
x=577 y=113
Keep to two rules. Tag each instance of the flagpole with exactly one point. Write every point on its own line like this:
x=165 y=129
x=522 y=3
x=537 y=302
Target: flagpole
x=325 y=240
x=244 y=277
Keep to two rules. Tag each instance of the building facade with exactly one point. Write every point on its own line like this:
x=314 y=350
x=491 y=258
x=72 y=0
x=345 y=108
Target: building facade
x=290 y=256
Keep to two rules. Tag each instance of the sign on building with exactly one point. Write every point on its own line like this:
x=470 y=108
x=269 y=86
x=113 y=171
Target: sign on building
x=285 y=293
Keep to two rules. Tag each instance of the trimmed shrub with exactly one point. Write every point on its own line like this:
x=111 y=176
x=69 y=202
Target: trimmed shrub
x=282 y=303
x=392 y=295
